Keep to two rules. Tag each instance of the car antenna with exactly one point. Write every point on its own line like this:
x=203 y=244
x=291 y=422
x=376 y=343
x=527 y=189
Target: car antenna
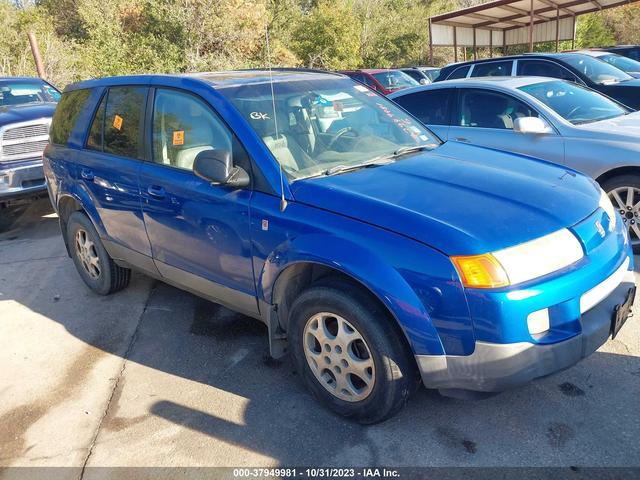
x=283 y=201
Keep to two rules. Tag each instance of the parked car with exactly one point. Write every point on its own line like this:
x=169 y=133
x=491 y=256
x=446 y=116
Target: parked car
x=26 y=107
x=384 y=81
x=545 y=118
x=574 y=67
x=630 y=51
x=626 y=64
x=376 y=255
x=422 y=75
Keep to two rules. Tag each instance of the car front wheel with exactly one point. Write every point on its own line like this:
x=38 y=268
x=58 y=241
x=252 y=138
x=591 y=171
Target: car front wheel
x=624 y=192
x=349 y=354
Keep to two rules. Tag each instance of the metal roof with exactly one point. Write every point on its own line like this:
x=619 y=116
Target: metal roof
x=512 y=22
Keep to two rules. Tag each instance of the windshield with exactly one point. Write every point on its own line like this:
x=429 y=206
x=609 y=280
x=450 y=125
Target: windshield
x=21 y=92
x=395 y=79
x=324 y=123
x=623 y=63
x=596 y=70
x=576 y=104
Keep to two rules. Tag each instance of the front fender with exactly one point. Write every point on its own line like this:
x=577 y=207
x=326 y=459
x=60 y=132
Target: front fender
x=366 y=267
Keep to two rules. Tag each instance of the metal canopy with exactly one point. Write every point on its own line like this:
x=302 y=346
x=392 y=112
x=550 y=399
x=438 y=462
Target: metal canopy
x=502 y=23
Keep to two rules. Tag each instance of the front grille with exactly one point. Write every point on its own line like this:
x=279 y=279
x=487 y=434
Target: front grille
x=25 y=132
x=25 y=140
x=24 y=148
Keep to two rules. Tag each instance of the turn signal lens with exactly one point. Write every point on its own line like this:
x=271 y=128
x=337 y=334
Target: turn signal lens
x=480 y=271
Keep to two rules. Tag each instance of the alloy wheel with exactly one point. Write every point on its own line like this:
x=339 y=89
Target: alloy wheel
x=339 y=357
x=87 y=254
x=627 y=201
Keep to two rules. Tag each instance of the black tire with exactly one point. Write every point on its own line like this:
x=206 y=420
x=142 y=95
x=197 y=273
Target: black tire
x=623 y=181
x=111 y=277
x=395 y=369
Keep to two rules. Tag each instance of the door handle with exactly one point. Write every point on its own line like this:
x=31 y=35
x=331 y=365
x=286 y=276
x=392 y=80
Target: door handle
x=156 y=192
x=462 y=139
x=86 y=174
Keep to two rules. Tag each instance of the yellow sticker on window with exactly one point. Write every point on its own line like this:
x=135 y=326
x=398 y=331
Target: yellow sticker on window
x=117 y=122
x=178 y=137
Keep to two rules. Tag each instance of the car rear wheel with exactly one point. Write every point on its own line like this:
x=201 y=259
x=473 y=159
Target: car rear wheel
x=624 y=192
x=98 y=270
x=349 y=355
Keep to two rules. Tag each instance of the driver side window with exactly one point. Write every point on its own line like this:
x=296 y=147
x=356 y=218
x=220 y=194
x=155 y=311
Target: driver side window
x=184 y=126
x=486 y=109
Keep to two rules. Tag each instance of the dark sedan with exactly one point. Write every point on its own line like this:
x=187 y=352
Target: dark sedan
x=575 y=67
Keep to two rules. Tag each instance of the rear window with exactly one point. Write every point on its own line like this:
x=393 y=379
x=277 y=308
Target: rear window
x=66 y=115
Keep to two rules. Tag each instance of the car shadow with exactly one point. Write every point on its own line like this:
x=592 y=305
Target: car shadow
x=584 y=415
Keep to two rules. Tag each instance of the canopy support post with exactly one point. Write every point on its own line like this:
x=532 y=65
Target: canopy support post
x=557 y=28
x=490 y=43
x=531 y=28
x=475 y=48
x=430 y=43
x=455 y=44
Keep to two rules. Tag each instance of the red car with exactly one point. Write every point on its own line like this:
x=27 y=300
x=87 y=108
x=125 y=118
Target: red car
x=384 y=81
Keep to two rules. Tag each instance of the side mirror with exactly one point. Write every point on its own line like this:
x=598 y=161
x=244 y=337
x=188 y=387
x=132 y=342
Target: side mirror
x=217 y=167
x=424 y=81
x=532 y=125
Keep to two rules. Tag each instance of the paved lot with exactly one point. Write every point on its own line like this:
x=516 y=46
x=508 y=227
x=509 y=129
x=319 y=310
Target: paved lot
x=155 y=376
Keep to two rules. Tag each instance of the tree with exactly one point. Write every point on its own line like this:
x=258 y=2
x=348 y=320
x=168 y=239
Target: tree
x=328 y=36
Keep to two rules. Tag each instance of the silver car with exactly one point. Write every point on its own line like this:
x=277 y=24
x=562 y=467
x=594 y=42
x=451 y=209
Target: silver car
x=545 y=118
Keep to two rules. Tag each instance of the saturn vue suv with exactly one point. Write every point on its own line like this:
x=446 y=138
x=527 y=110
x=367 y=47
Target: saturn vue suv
x=377 y=255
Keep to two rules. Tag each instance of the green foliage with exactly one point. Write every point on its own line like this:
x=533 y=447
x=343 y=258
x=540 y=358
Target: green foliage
x=591 y=31
x=90 y=38
x=328 y=36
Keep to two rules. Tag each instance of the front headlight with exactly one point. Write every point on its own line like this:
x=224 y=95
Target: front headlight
x=521 y=263
x=607 y=206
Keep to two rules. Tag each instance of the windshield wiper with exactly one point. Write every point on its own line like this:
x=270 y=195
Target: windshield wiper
x=376 y=162
x=405 y=150
x=381 y=160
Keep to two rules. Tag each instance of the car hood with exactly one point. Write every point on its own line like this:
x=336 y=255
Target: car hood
x=623 y=128
x=460 y=199
x=627 y=92
x=23 y=113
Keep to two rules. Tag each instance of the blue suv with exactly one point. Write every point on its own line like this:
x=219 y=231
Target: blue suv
x=377 y=255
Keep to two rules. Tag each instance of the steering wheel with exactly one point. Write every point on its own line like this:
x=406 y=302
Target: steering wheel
x=339 y=134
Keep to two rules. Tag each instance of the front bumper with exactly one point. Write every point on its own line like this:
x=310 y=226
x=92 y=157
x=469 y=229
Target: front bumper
x=494 y=367
x=20 y=180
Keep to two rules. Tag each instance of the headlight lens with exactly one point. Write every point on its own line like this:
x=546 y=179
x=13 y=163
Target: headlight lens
x=521 y=263
x=607 y=206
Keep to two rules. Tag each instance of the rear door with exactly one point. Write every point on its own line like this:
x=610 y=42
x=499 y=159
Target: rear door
x=432 y=107
x=108 y=169
x=199 y=232
x=485 y=118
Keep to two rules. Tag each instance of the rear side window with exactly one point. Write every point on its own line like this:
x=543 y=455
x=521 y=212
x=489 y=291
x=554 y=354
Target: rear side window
x=430 y=107
x=460 y=72
x=66 y=115
x=541 y=68
x=493 y=69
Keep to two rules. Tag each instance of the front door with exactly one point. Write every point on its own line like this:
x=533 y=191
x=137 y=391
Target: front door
x=485 y=118
x=199 y=232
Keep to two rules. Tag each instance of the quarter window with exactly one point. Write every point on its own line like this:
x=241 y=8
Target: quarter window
x=66 y=115
x=123 y=119
x=184 y=126
x=492 y=69
x=459 y=73
x=430 y=107
x=485 y=109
